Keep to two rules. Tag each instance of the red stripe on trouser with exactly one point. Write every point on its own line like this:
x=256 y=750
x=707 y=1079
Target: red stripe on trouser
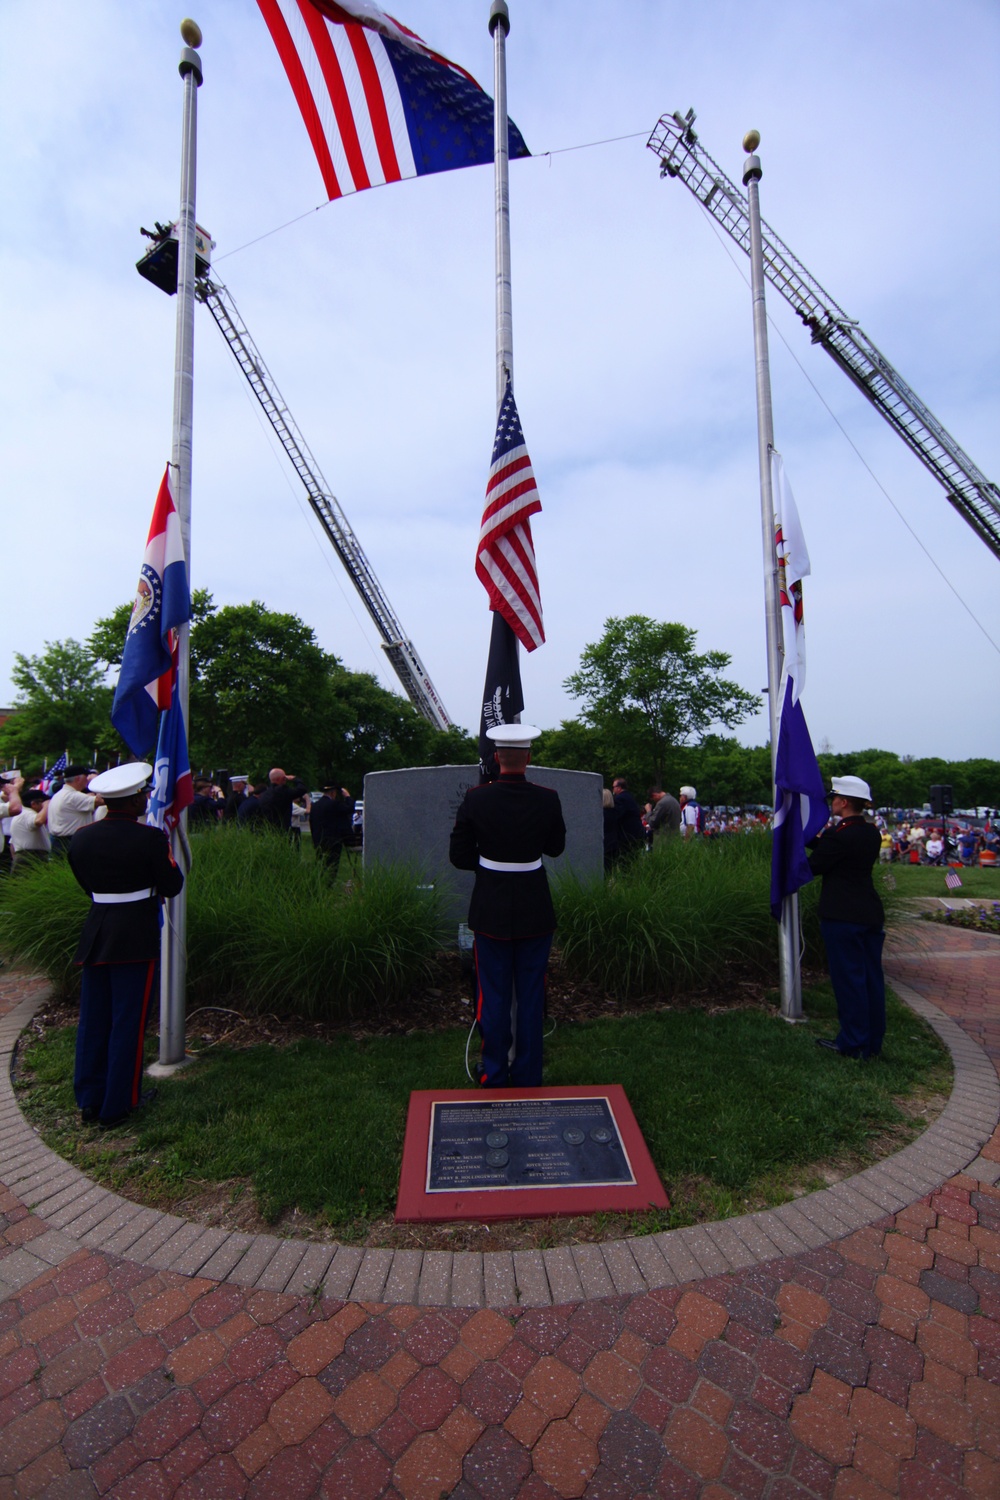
x=137 y=1072
x=479 y=1014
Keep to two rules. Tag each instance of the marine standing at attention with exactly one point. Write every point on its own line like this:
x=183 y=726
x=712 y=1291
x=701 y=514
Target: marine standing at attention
x=502 y=830
x=126 y=868
x=852 y=919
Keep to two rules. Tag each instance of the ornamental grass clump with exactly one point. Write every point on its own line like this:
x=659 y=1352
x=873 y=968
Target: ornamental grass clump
x=267 y=929
x=679 y=918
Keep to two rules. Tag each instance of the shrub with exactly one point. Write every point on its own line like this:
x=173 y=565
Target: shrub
x=266 y=928
x=679 y=918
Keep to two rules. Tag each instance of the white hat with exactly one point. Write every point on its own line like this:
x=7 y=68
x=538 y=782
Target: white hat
x=122 y=781
x=851 y=786
x=688 y=792
x=513 y=736
x=238 y=778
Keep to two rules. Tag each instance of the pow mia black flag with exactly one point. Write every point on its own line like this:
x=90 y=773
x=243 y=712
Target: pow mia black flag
x=503 y=700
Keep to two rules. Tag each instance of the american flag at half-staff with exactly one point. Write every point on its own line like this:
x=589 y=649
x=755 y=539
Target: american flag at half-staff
x=505 y=557
x=378 y=103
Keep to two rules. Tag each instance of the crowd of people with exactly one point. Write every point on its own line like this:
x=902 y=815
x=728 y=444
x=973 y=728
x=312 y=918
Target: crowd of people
x=919 y=841
x=39 y=817
x=628 y=828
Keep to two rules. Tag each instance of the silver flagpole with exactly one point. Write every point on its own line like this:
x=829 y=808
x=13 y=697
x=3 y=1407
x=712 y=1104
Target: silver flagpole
x=173 y=950
x=789 y=970
x=499 y=27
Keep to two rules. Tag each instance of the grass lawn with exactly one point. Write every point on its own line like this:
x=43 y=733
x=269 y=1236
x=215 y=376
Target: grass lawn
x=928 y=880
x=739 y=1111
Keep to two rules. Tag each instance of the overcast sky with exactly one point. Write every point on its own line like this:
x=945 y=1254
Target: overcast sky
x=633 y=349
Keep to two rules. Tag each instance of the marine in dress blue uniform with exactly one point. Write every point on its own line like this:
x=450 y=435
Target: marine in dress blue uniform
x=852 y=920
x=127 y=869
x=501 y=832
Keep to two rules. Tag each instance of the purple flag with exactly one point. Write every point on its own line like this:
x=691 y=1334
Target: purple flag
x=800 y=797
x=800 y=808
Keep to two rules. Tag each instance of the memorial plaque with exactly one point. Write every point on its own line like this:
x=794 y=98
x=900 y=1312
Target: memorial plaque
x=524 y=1153
x=527 y=1143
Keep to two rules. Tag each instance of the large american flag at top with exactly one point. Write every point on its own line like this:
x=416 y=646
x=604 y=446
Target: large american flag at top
x=377 y=102
x=505 y=558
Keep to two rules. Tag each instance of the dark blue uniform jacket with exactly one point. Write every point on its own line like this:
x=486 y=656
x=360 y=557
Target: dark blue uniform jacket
x=845 y=856
x=515 y=821
x=120 y=855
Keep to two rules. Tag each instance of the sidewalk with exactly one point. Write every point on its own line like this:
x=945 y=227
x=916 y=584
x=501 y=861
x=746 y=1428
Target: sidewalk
x=847 y=1345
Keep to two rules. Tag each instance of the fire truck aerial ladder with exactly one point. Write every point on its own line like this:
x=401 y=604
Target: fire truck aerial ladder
x=975 y=497
x=159 y=265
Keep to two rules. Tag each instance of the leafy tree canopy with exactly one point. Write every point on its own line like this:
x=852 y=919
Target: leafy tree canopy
x=62 y=704
x=647 y=691
x=263 y=693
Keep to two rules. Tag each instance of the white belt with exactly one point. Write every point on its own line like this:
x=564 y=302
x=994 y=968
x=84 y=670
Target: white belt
x=119 y=898
x=507 y=865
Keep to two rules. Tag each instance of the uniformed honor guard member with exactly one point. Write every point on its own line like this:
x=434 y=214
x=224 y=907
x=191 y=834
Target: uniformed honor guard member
x=852 y=919
x=127 y=869
x=502 y=830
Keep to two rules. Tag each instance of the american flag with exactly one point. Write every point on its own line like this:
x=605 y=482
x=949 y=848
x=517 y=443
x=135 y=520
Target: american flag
x=952 y=880
x=56 y=769
x=505 y=557
x=378 y=104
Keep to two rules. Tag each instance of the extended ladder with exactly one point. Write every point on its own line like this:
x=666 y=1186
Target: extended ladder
x=974 y=496
x=400 y=651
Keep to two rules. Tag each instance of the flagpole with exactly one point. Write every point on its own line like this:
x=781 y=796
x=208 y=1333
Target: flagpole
x=499 y=27
x=789 y=968
x=173 y=951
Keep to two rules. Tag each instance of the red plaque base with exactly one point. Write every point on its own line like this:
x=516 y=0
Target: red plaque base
x=418 y=1201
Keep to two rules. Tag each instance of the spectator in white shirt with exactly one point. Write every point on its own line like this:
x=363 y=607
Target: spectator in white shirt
x=72 y=807
x=29 y=836
x=10 y=805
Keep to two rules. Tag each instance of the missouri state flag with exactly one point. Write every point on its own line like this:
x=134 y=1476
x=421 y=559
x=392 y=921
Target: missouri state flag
x=800 y=808
x=378 y=104
x=162 y=603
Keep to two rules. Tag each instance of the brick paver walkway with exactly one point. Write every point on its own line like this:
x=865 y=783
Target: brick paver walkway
x=865 y=1365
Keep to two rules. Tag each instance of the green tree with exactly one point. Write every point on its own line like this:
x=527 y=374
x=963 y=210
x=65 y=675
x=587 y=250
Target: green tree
x=649 y=692
x=62 y=703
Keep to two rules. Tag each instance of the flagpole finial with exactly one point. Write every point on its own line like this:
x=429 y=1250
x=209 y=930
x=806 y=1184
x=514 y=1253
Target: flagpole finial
x=499 y=16
x=191 y=32
x=751 y=167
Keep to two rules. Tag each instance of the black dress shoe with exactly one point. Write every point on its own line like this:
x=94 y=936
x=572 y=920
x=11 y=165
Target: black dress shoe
x=113 y=1123
x=831 y=1046
x=88 y=1116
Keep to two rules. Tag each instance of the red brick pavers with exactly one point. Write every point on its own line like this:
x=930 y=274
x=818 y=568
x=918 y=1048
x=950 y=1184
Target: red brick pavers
x=867 y=1368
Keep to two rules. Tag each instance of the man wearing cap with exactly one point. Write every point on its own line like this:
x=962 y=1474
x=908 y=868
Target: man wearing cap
x=126 y=868
x=690 y=812
x=331 y=818
x=73 y=807
x=235 y=799
x=29 y=834
x=852 y=919
x=502 y=830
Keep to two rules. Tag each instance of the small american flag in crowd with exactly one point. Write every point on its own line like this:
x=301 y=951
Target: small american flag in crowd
x=952 y=880
x=505 y=557
x=53 y=772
